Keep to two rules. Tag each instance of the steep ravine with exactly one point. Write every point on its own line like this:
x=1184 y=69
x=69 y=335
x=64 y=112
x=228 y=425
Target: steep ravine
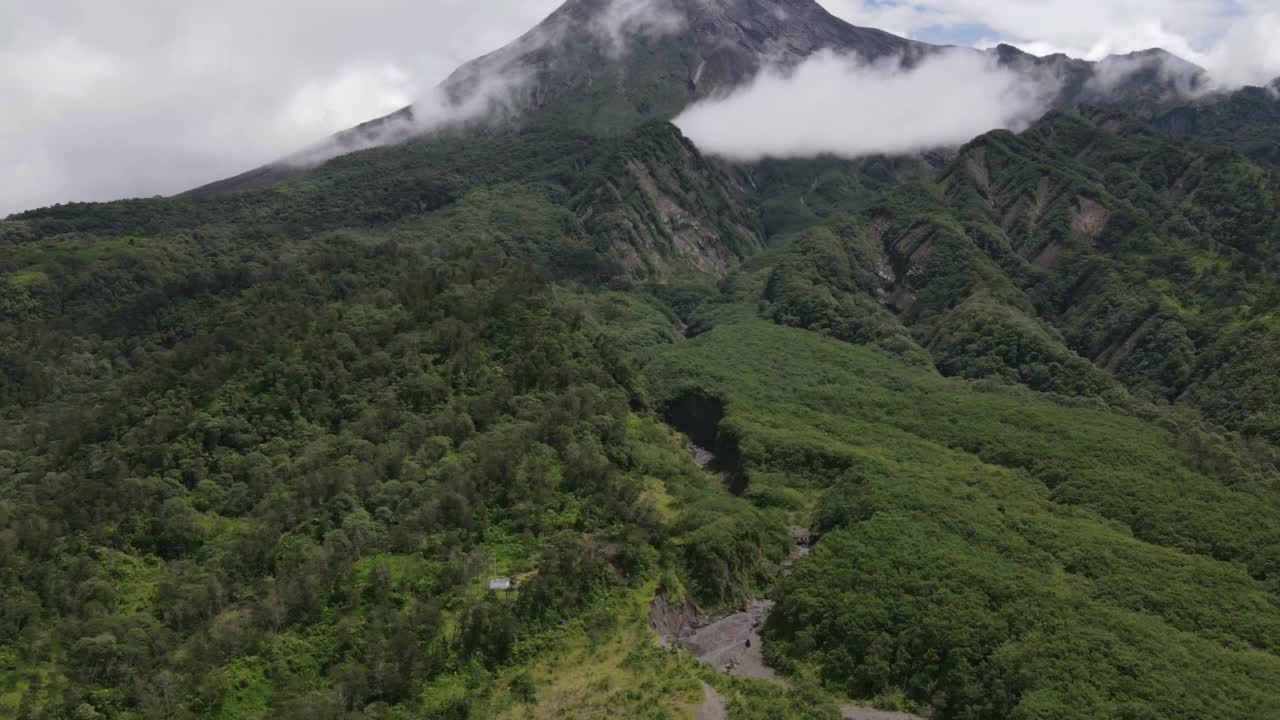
x=730 y=641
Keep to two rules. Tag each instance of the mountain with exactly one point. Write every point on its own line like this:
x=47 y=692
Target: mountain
x=602 y=66
x=599 y=64
x=605 y=66
x=1245 y=120
x=988 y=434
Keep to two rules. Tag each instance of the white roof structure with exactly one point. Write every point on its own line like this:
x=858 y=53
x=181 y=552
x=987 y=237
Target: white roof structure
x=500 y=584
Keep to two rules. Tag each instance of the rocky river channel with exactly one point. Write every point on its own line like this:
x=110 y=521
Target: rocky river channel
x=731 y=641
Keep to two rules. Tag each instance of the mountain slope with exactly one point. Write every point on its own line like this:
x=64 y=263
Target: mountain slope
x=1246 y=120
x=599 y=63
x=605 y=66
x=266 y=449
x=1088 y=254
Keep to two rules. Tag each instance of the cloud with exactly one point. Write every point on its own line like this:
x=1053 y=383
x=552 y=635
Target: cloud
x=1248 y=52
x=107 y=100
x=103 y=101
x=156 y=97
x=1233 y=39
x=491 y=98
x=839 y=106
x=345 y=99
x=492 y=90
x=625 y=17
x=1182 y=78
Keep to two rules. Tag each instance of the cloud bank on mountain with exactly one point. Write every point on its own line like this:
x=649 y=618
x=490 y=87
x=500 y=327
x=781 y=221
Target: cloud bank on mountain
x=839 y=106
x=105 y=101
x=1233 y=39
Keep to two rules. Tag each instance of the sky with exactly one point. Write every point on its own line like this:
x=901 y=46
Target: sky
x=147 y=97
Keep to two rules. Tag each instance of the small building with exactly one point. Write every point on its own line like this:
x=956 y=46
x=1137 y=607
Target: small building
x=500 y=584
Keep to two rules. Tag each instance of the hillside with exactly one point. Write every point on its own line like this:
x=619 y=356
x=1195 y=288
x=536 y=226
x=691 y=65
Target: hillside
x=1245 y=119
x=268 y=447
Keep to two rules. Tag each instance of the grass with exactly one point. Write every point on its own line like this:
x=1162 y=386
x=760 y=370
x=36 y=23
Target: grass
x=28 y=278
x=134 y=580
x=613 y=668
x=13 y=687
x=19 y=686
x=248 y=690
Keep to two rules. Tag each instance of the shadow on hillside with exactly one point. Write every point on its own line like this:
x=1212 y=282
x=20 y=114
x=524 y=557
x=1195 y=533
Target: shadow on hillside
x=699 y=417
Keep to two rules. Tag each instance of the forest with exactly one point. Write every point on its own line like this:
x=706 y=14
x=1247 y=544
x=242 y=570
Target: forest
x=264 y=450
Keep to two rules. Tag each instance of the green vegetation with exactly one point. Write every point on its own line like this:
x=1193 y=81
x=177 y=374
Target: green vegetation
x=268 y=473
x=991 y=553
x=265 y=449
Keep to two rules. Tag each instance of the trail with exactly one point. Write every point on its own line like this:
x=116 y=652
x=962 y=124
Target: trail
x=713 y=705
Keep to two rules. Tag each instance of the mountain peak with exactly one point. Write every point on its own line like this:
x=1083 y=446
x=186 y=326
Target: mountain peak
x=609 y=59
x=604 y=66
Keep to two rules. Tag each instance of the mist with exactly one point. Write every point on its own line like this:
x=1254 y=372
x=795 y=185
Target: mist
x=493 y=99
x=104 y=101
x=1183 y=79
x=833 y=105
x=622 y=18
x=491 y=90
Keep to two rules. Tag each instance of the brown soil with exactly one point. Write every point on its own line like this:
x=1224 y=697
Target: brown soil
x=1049 y=256
x=670 y=621
x=1088 y=219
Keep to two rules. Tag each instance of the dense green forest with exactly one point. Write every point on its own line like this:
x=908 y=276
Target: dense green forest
x=265 y=449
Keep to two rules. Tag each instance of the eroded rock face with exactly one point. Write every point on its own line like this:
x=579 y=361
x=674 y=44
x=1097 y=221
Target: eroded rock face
x=1088 y=220
x=670 y=621
x=663 y=209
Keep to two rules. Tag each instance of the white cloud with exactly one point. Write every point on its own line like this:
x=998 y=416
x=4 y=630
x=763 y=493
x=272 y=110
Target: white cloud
x=491 y=90
x=106 y=100
x=103 y=100
x=838 y=106
x=1249 y=50
x=622 y=17
x=1233 y=39
x=353 y=96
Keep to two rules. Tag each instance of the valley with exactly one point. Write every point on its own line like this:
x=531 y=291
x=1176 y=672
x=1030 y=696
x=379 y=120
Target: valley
x=268 y=442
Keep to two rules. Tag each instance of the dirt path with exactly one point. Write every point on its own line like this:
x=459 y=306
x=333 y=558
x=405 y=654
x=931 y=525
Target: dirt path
x=713 y=705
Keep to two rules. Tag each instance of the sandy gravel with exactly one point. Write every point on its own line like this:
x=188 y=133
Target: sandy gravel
x=732 y=644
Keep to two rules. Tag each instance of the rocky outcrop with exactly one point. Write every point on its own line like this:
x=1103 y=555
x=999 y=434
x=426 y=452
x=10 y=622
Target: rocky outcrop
x=670 y=621
x=1088 y=220
x=664 y=209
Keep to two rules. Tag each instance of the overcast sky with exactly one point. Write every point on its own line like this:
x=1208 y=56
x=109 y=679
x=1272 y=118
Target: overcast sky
x=142 y=97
